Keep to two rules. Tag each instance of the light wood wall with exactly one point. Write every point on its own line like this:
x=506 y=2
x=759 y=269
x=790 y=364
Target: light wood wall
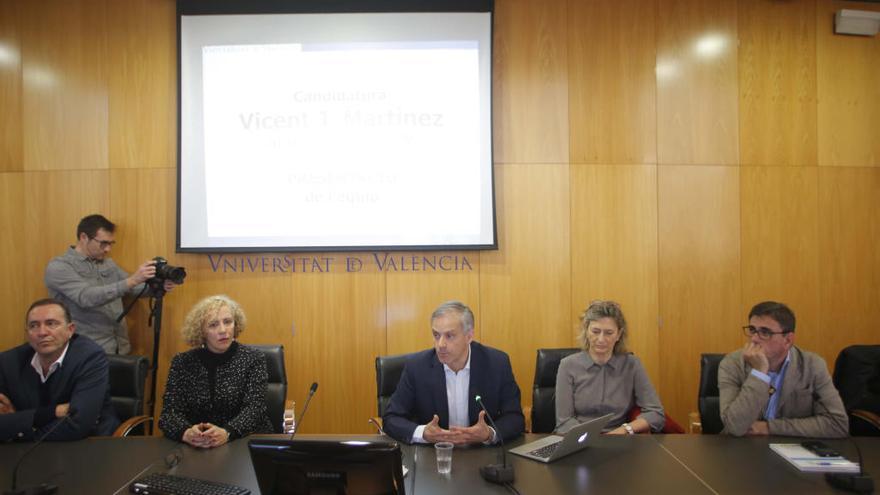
x=687 y=158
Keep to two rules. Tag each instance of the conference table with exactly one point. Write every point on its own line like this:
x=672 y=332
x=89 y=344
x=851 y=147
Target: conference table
x=613 y=464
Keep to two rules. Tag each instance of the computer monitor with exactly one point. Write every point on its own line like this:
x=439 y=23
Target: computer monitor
x=313 y=467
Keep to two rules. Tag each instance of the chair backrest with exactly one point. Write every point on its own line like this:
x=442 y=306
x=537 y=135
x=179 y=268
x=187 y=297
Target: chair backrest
x=388 y=371
x=708 y=400
x=857 y=378
x=544 y=388
x=276 y=387
x=128 y=376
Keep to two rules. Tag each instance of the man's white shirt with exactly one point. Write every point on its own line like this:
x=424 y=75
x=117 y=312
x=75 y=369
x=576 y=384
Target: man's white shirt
x=35 y=363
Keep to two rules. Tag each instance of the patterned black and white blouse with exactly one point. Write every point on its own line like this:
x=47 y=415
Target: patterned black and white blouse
x=228 y=390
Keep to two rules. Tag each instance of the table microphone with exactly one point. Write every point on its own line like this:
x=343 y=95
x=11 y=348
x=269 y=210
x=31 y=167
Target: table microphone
x=298 y=423
x=858 y=483
x=496 y=473
x=43 y=489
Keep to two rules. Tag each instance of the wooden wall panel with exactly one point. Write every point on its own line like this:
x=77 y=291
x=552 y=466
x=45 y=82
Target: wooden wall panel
x=142 y=207
x=699 y=276
x=530 y=82
x=697 y=82
x=780 y=244
x=64 y=89
x=142 y=52
x=849 y=91
x=612 y=91
x=525 y=286
x=849 y=261
x=91 y=86
x=12 y=247
x=340 y=329
x=614 y=249
x=10 y=88
x=412 y=297
x=777 y=87
x=53 y=206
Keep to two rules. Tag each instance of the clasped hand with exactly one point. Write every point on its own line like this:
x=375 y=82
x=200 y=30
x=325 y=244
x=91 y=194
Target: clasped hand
x=6 y=406
x=458 y=435
x=205 y=436
x=754 y=356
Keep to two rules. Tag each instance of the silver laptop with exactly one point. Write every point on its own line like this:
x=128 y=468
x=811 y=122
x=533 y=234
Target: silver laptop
x=553 y=447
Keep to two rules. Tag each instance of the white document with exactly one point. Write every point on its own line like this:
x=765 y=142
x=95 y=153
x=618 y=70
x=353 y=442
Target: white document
x=805 y=460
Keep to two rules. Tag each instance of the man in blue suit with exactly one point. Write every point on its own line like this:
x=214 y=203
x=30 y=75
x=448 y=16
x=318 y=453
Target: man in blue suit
x=56 y=374
x=435 y=398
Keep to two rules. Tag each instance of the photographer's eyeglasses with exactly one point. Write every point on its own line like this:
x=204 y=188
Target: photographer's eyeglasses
x=763 y=332
x=104 y=244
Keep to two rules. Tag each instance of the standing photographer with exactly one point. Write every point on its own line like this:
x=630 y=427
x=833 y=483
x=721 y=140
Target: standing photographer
x=88 y=282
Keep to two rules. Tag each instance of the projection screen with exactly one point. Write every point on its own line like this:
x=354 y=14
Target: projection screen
x=335 y=131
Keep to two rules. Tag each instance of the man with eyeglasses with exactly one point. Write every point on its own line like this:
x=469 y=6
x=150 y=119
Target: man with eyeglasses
x=772 y=387
x=87 y=280
x=55 y=374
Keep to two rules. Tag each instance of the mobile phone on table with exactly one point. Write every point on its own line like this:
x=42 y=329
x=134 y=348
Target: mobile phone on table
x=821 y=449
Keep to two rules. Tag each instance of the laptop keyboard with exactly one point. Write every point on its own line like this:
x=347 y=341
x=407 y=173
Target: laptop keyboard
x=162 y=484
x=545 y=451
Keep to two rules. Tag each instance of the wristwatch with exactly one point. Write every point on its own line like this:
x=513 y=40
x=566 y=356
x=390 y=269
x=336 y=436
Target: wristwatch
x=629 y=429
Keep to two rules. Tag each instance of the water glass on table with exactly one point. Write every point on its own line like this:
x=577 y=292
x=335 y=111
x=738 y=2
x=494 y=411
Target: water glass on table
x=444 y=457
x=288 y=422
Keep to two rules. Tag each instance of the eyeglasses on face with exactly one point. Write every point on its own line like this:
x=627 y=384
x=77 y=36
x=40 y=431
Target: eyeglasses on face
x=763 y=332
x=103 y=244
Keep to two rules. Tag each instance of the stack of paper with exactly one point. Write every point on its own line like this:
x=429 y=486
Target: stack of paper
x=805 y=460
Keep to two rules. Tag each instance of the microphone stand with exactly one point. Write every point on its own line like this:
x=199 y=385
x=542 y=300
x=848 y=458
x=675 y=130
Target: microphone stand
x=42 y=489
x=501 y=474
x=858 y=483
x=298 y=423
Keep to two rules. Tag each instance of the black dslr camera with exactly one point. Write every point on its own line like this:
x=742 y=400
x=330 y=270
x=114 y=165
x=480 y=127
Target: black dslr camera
x=164 y=271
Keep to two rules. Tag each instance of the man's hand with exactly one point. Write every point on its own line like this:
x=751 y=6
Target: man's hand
x=142 y=274
x=758 y=429
x=169 y=285
x=754 y=356
x=478 y=433
x=6 y=406
x=61 y=410
x=433 y=433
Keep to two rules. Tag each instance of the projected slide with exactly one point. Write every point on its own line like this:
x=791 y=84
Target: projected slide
x=371 y=132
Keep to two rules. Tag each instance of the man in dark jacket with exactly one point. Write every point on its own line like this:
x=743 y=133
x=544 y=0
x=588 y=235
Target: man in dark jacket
x=57 y=374
x=435 y=400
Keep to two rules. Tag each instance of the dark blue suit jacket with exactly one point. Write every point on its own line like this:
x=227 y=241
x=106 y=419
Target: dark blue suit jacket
x=83 y=381
x=421 y=393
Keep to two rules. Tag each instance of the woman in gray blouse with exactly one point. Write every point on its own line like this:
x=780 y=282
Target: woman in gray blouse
x=605 y=378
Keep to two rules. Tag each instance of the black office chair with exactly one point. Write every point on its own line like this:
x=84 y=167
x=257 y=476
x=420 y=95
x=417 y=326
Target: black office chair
x=857 y=378
x=544 y=388
x=388 y=372
x=128 y=377
x=276 y=388
x=708 y=400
